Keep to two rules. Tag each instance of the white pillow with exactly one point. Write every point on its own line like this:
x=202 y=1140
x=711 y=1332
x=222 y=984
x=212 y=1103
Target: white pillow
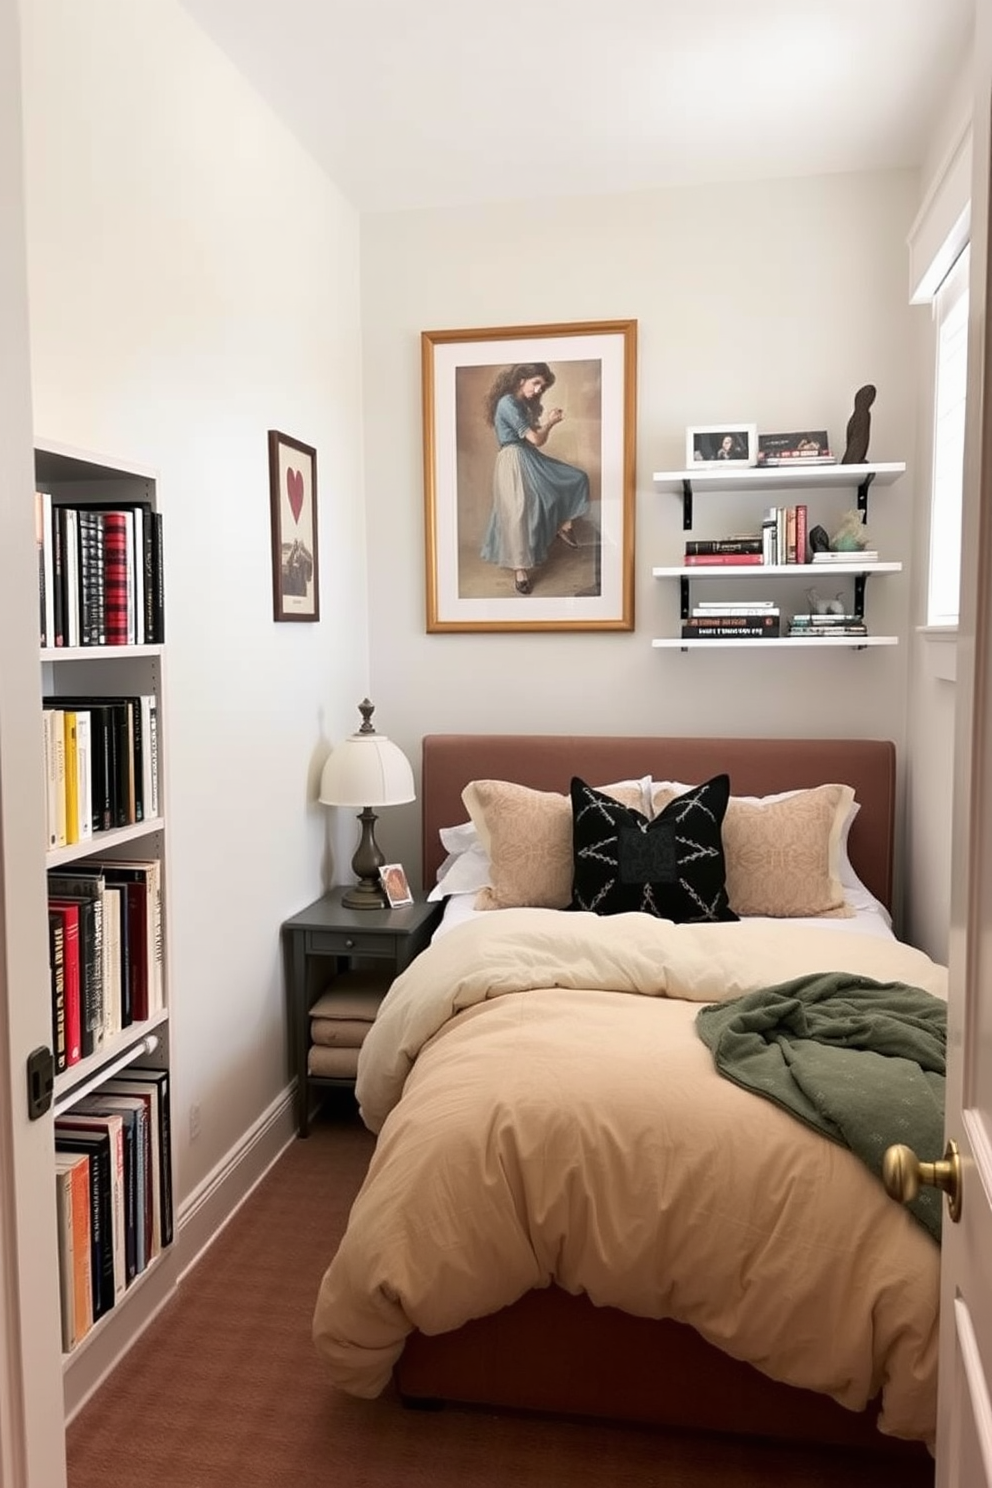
x=464 y=872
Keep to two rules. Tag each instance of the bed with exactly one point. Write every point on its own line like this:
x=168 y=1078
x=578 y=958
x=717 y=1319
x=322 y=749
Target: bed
x=819 y=1322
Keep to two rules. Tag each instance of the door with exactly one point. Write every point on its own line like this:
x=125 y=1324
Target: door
x=32 y=1448
x=964 y=1435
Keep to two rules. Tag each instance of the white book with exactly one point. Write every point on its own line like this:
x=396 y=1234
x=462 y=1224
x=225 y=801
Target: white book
x=84 y=776
x=138 y=517
x=113 y=1125
x=44 y=513
x=149 y=755
x=130 y=578
x=70 y=576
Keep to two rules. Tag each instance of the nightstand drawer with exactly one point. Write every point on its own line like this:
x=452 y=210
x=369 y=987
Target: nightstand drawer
x=350 y=943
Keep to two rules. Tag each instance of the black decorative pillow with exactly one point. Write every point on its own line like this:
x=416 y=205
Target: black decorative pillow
x=671 y=866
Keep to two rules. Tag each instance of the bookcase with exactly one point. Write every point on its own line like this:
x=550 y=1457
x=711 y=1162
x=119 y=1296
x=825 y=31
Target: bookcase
x=765 y=484
x=103 y=729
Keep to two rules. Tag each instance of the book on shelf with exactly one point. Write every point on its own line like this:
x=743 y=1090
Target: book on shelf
x=858 y=555
x=56 y=971
x=100 y=1106
x=67 y=916
x=135 y=1112
x=712 y=611
x=699 y=560
x=101 y=580
x=784 y=534
x=110 y=1126
x=727 y=626
x=96 y=1146
x=72 y=1195
x=724 y=545
x=152 y=1086
x=89 y=911
x=806 y=447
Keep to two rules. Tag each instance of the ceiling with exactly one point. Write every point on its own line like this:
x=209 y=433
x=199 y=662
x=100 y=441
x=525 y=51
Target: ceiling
x=446 y=102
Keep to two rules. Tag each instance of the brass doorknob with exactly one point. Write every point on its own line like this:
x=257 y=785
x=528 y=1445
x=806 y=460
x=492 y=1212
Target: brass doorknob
x=904 y=1175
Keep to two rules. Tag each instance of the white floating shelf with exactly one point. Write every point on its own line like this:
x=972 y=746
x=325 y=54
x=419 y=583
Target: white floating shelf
x=738 y=478
x=768 y=570
x=820 y=643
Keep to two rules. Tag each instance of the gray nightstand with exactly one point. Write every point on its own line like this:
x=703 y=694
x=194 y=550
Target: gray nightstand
x=326 y=941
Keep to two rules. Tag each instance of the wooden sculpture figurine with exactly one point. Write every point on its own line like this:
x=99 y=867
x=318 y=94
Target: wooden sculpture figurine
x=859 y=427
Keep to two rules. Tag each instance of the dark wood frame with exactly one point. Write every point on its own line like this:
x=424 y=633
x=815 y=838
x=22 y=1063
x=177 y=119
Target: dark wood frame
x=282 y=608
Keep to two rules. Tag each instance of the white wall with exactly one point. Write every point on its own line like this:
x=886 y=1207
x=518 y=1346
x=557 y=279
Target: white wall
x=769 y=303
x=194 y=282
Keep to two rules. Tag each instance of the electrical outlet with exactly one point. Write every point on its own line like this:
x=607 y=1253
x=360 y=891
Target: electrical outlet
x=194 y=1123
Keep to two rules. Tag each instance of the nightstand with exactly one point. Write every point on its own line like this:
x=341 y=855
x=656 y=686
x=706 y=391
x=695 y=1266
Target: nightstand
x=322 y=945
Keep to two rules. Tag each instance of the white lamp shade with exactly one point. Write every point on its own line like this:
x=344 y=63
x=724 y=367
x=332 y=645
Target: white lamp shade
x=367 y=770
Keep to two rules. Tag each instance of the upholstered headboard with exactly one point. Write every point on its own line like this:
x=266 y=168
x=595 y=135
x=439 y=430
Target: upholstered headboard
x=756 y=767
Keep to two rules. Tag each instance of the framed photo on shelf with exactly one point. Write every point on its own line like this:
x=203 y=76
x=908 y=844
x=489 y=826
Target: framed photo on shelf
x=737 y=443
x=293 y=498
x=529 y=477
x=394 y=885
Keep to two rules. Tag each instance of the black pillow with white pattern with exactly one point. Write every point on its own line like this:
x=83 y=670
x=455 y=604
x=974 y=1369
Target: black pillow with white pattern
x=671 y=866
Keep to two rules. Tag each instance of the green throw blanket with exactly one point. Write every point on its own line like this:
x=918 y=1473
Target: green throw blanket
x=858 y=1060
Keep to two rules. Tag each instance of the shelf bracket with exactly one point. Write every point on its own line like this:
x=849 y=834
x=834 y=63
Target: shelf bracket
x=863 y=495
x=860 y=580
x=684 y=597
x=687 y=505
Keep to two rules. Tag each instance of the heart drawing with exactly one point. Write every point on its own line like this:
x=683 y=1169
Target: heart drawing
x=294 y=491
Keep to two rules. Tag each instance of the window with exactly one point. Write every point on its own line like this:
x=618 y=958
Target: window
x=951 y=380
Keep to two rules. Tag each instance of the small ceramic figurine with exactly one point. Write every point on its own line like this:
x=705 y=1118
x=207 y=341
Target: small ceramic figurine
x=859 y=427
x=819 y=541
x=852 y=534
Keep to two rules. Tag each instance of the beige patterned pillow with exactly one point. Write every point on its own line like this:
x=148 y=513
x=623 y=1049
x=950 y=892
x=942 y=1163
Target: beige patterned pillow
x=528 y=836
x=783 y=856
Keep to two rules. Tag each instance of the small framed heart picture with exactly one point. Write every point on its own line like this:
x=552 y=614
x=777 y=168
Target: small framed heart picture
x=293 y=492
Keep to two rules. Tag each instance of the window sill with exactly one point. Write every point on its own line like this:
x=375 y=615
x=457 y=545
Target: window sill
x=941 y=651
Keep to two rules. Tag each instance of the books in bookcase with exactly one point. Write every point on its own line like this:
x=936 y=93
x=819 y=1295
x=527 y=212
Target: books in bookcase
x=72 y=1197
x=759 y=625
x=96 y=1146
x=134 y=1112
x=152 y=1086
x=703 y=560
x=101 y=762
x=110 y=1127
x=101 y=573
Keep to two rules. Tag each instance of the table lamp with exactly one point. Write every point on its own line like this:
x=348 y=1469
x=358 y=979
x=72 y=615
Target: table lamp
x=366 y=769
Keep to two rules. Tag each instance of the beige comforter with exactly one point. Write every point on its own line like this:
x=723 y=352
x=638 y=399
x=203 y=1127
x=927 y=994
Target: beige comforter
x=547 y=1112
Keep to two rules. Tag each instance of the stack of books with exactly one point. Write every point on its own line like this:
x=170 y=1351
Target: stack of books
x=827 y=625
x=783 y=534
x=726 y=619
x=724 y=550
x=802 y=448
x=853 y=555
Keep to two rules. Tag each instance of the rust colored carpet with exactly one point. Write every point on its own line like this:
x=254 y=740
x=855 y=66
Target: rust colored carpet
x=225 y=1389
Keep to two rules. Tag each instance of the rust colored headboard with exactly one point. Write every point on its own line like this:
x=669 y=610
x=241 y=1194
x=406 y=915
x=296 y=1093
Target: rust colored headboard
x=757 y=767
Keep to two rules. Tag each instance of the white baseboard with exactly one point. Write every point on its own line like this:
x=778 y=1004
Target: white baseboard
x=198 y=1222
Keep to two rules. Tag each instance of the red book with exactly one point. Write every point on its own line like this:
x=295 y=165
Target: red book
x=69 y=913
x=114 y=526
x=704 y=560
x=802 y=556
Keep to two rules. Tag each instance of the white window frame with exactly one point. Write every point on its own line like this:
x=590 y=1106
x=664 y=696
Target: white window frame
x=950 y=314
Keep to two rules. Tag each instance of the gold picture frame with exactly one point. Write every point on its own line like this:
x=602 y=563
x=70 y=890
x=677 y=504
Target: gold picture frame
x=529 y=480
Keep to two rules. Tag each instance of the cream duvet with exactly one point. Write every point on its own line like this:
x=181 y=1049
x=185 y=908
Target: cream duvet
x=548 y=1113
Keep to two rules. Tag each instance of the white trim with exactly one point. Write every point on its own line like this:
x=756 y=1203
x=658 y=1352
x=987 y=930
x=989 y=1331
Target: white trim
x=942 y=226
x=199 y=1220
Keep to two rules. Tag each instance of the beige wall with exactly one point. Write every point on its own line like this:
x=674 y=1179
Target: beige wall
x=769 y=303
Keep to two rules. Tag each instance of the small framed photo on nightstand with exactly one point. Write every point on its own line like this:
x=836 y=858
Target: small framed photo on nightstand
x=394 y=885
